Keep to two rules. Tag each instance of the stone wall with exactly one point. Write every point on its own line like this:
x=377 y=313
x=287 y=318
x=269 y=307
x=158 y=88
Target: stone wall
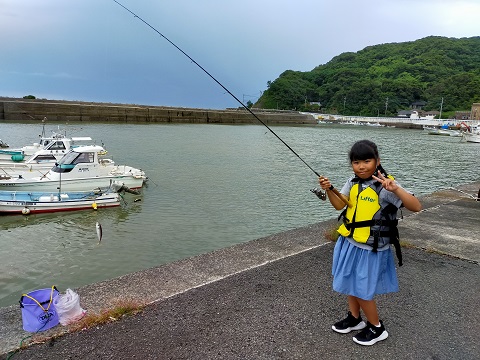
x=24 y=109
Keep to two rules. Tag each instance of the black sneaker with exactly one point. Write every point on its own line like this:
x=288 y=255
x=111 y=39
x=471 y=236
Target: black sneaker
x=350 y=323
x=371 y=334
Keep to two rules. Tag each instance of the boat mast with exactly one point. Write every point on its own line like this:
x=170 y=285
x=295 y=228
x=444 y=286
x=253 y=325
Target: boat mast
x=60 y=184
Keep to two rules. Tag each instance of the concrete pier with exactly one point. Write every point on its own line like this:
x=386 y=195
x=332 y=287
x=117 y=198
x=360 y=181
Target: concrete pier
x=72 y=111
x=271 y=298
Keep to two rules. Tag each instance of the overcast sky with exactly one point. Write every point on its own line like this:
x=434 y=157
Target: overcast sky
x=94 y=50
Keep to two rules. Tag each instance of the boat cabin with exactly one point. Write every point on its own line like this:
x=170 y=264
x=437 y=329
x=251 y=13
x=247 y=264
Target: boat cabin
x=88 y=156
x=54 y=149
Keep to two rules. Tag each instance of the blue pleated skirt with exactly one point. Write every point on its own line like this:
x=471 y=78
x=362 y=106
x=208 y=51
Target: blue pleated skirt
x=361 y=272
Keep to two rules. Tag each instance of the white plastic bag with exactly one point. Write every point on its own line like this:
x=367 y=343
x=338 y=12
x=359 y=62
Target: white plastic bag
x=68 y=307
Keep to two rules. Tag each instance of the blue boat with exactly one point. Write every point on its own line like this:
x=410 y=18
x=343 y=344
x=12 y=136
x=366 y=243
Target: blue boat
x=23 y=202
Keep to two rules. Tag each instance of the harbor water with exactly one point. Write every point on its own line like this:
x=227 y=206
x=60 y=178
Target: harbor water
x=209 y=187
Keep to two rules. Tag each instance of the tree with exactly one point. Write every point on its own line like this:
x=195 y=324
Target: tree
x=426 y=69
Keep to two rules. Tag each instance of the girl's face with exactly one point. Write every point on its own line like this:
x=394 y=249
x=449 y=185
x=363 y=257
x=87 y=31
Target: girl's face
x=364 y=168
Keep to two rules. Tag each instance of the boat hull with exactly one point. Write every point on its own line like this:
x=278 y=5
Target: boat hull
x=475 y=138
x=70 y=185
x=15 y=207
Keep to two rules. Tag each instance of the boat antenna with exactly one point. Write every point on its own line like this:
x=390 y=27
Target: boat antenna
x=60 y=183
x=219 y=83
x=43 y=127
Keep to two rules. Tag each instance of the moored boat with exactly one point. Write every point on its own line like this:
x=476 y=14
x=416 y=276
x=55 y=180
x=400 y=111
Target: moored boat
x=49 y=149
x=81 y=169
x=472 y=137
x=22 y=202
x=471 y=133
x=444 y=130
x=44 y=158
x=55 y=146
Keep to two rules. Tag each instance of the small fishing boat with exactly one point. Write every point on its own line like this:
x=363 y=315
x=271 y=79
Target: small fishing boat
x=472 y=135
x=374 y=124
x=83 y=168
x=444 y=131
x=22 y=202
x=45 y=158
x=49 y=149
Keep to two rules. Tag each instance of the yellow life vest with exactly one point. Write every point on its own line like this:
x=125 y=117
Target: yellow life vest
x=364 y=207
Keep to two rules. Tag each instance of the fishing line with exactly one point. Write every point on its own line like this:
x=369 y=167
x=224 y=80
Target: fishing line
x=219 y=83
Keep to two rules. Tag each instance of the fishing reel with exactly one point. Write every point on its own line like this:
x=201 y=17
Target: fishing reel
x=321 y=194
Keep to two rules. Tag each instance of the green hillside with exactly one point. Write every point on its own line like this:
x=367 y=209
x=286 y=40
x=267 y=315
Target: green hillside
x=384 y=79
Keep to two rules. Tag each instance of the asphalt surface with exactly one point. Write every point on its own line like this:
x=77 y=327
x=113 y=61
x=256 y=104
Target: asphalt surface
x=272 y=299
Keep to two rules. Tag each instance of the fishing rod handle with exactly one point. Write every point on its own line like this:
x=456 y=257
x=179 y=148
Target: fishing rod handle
x=336 y=192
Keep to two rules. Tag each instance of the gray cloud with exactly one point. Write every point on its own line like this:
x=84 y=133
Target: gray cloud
x=97 y=51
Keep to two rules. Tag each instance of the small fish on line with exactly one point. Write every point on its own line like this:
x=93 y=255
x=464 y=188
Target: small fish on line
x=99 y=231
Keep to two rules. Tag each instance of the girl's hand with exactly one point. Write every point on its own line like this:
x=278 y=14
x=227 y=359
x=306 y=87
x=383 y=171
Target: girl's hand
x=324 y=182
x=388 y=184
x=408 y=200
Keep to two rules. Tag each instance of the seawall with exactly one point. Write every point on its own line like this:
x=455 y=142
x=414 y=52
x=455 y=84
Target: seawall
x=72 y=111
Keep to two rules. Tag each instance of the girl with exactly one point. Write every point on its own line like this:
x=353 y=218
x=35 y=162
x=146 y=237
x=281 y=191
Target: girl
x=363 y=263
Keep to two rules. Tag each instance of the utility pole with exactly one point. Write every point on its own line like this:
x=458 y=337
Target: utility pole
x=386 y=106
x=344 y=101
x=441 y=107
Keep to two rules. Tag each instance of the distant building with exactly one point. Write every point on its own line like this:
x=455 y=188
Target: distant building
x=404 y=113
x=418 y=105
x=433 y=113
x=408 y=113
x=462 y=115
x=475 y=113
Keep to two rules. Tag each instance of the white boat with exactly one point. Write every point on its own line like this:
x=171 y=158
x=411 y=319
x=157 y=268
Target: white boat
x=43 y=158
x=374 y=124
x=81 y=169
x=471 y=133
x=445 y=131
x=48 y=149
x=23 y=202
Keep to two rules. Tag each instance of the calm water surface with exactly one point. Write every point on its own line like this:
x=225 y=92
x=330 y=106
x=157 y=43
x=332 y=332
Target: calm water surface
x=211 y=186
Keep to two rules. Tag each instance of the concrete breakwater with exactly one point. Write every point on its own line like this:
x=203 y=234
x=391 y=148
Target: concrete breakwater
x=35 y=109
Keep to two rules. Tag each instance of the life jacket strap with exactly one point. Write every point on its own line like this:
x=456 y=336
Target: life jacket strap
x=368 y=223
x=394 y=240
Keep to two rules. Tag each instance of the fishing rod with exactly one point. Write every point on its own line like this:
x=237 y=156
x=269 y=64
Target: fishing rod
x=317 y=192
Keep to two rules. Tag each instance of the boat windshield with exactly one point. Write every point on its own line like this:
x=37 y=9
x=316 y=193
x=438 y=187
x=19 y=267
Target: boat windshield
x=42 y=158
x=73 y=157
x=44 y=142
x=56 y=145
x=68 y=162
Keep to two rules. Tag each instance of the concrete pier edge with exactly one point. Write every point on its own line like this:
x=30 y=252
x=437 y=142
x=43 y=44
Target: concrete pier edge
x=432 y=230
